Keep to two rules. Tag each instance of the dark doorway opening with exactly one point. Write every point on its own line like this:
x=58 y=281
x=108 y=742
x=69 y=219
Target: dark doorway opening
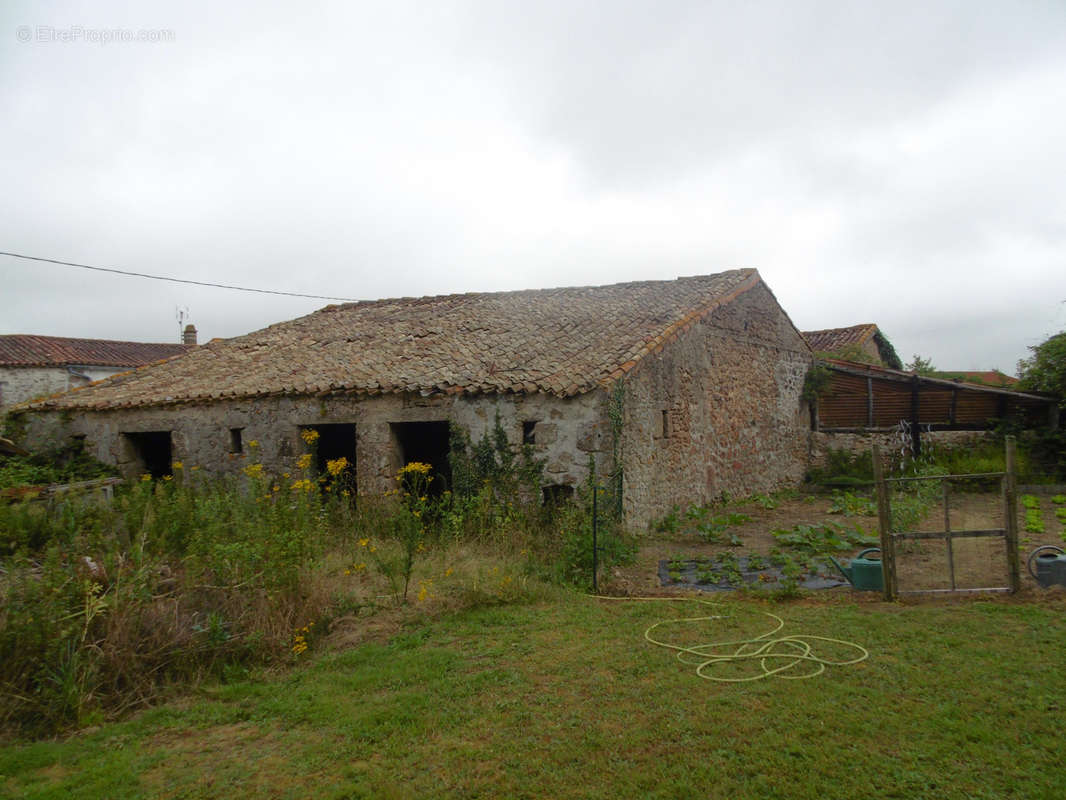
x=336 y=441
x=558 y=494
x=153 y=451
x=427 y=442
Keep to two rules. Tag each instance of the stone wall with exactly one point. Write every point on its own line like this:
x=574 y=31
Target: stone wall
x=717 y=411
x=19 y=384
x=893 y=444
x=566 y=430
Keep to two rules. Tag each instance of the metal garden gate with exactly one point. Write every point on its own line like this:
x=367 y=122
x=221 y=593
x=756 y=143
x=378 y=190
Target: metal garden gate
x=994 y=549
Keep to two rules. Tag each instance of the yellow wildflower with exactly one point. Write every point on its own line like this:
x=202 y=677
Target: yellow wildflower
x=416 y=466
x=284 y=474
x=253 y=443
x=364 y=542
x=253 y=470
x=337 y=466
x=447 y=572
x=309 y=435
x=146 y=477
x=177 y=465
x=168 y=477
x=304 y=461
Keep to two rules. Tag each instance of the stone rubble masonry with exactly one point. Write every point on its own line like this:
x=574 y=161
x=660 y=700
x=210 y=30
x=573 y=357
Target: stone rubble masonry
x=736 y=425
x=893 y=445
x=200 y=434
x=722 y=382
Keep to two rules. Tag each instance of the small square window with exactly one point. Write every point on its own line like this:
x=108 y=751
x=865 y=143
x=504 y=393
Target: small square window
x=236 y=445
x=529 y=431
x=667 y=429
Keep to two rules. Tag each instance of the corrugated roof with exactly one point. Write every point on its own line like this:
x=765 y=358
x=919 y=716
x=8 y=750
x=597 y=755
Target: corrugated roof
x=27 y=350
x=833 y=339
x=557 y=341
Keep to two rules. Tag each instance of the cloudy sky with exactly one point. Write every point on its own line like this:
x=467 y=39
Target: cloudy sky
x=900 y=163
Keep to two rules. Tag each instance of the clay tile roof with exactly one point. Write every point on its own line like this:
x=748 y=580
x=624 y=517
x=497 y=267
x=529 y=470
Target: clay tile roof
x=557 y=341
x=833 y=339
x=988 y=377
x=24 y=350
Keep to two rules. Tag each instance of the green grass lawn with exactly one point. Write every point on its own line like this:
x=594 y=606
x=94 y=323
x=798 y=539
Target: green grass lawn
x=567 y=699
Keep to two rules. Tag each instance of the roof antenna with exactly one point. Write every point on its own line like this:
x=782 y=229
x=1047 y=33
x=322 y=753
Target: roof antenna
x=181 y=313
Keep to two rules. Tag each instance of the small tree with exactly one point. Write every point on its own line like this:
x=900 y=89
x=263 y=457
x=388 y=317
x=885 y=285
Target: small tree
x=1045 y=369
x=922 y=366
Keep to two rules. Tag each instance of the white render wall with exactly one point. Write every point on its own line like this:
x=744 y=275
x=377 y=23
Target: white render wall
x=19 y=384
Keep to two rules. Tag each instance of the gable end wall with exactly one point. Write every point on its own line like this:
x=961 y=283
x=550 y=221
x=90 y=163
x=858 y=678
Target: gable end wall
x=730 y=387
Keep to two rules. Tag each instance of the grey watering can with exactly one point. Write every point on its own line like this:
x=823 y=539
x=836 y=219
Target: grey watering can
x=863 y=573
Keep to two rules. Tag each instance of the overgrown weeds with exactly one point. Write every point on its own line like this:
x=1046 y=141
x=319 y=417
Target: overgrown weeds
x=108 y=607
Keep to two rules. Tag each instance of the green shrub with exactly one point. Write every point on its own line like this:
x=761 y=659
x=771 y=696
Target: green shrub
x=844 y=468
x=823 y=538
x=850 y=505
x=64 y=465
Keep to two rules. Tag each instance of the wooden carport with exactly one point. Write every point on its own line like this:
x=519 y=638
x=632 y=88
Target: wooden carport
x=862 y=398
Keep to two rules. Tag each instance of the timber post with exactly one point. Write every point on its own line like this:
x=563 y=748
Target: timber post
x=888 y=552
x=916 y=428
x=1011 y=511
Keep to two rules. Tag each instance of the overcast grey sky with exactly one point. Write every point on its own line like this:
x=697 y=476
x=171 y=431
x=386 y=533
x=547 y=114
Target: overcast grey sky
x=900 y=163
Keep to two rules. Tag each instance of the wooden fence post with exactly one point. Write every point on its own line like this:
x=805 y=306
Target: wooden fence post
x=888 y=552
x=1011 y=512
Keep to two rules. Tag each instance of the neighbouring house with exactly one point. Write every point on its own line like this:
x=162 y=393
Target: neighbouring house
x=34 y=366
x=861 y=343
x=691 y=388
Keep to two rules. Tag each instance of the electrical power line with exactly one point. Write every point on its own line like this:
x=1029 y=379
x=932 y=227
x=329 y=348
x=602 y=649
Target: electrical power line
x=175 y=280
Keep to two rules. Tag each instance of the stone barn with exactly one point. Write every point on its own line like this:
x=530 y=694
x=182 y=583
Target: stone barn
x=691 y=386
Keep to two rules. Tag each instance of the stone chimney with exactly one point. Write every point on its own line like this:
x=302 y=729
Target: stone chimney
x=188 y=336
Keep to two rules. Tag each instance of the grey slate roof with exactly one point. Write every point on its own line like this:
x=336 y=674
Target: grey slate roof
x=558 y=341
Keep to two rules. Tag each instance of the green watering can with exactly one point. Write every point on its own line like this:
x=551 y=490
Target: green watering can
x=863 y=573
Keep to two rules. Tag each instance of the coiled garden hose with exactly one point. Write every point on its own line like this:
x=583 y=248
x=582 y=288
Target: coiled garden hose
x=776 y=657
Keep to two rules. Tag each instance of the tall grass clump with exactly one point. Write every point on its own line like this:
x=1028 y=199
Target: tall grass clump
x=111 y=606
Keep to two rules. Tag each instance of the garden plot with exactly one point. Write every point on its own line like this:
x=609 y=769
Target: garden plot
x=788 y=534
x=728 y=571
x=708 y=548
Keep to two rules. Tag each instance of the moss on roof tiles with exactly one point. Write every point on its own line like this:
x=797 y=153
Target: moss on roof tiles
x=565 y=341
